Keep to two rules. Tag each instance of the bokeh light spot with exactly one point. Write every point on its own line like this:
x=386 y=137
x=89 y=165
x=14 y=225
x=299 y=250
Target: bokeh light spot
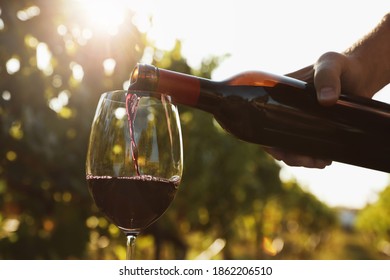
x=11 y=156
x=12 y=65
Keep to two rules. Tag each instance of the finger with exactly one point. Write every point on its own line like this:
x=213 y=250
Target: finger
x=305 y=161
x=293 y=159
x=304 y=74
x=327 y=74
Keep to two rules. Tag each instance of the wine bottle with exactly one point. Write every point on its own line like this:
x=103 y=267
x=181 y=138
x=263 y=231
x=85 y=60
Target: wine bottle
x=279 y=111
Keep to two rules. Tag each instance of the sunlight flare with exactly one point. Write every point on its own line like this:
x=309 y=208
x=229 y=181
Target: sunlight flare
x=102 y=15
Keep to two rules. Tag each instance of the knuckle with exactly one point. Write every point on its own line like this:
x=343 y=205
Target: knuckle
x=329 y=65
x=331 y=56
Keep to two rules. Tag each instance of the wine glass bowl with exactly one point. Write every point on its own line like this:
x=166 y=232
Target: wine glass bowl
x=134 y=160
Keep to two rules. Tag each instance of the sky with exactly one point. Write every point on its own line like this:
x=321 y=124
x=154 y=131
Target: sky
x=278 y=36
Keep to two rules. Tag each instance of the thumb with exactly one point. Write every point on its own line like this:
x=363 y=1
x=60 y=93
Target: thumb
x=327 y=74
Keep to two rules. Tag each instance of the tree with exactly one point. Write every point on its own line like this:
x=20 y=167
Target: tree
x=306 y=221
x=374 y=221
x=53 y=67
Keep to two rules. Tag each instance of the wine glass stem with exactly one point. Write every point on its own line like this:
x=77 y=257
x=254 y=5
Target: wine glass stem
x=130 y=246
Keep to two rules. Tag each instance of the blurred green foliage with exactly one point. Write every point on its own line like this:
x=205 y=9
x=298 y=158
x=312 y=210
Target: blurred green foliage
x=54 y=63
x=374 y=221
x=51 y=76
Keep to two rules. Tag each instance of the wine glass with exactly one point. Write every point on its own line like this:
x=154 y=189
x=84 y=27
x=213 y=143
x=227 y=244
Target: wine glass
x=135 y=160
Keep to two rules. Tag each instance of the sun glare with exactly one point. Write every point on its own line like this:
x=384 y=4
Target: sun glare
x=102 y=15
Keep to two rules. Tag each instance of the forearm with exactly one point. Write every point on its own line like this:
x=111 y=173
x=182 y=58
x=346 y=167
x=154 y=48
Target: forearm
x=373 y=56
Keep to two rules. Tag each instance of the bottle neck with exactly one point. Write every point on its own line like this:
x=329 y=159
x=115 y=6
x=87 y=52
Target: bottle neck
x=184 y=89
x=200 y=93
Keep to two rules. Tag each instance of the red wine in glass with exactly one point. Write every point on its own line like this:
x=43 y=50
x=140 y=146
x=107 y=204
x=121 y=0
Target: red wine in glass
x=132 y=203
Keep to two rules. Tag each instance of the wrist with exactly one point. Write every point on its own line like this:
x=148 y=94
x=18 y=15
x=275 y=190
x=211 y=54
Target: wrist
x=359 y=78
x=370 y=59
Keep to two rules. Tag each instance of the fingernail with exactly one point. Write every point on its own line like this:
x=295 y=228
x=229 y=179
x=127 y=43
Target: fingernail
x=327 y=94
